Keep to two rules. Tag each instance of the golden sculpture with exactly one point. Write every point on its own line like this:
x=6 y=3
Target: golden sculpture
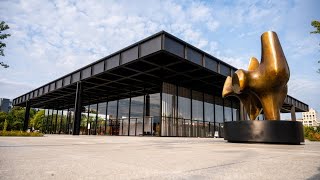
x=264 y=85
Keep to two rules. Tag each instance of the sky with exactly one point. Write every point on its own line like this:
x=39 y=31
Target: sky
x=52 y=38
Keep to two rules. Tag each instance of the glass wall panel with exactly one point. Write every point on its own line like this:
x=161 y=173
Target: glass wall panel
x=154 y=113
x=64 y=122
x=48 y=122
x=184 y=103
x=136 y=114
x=236 y=111
x=227 y=110
x=219 y=116
x=236 y=114
x=209 y=114
x=169 y=102
x=219 y=109
x=101 y=118
x=84 y=120
x=208 y=107
x=123 y=116
x=197 y=113
x=113 y=127
x=92 y=119
x=54 y=122
x=184 y=111
x=70 y=122
x=58 y=125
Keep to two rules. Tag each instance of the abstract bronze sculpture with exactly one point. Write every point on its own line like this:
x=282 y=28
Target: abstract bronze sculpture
x=262 y=87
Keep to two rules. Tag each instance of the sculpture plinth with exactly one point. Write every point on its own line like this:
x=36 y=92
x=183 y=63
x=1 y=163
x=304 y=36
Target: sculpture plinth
x=282 y=132
x=263 y=87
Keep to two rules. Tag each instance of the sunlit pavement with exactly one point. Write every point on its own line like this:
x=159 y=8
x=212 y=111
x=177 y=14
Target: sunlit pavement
x=119 y=157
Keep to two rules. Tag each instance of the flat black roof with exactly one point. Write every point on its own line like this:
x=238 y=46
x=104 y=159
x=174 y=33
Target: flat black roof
x=138 y=69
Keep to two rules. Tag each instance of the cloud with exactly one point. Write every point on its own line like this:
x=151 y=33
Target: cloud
x=74 y=34
x=9 y=88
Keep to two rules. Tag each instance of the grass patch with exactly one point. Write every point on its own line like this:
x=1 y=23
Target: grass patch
x=19 y=133
x=312 y=133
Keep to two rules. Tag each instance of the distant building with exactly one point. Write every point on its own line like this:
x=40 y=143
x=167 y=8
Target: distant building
x=5 y=104
x=310 y=118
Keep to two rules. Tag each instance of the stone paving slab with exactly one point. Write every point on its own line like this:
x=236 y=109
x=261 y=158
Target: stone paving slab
x=121 y=157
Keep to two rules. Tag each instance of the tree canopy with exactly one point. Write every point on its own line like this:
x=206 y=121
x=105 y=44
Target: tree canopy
x=3 y=27
x=316 y=24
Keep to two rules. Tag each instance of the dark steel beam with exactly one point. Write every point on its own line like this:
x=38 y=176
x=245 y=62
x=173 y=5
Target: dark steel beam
x=26 y=116
x=77 y=110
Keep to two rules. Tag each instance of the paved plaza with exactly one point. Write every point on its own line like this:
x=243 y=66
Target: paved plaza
x=119 y=157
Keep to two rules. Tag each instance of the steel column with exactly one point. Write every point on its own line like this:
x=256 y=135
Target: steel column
x=61 y=121
x=293 y=113
x=47 y=123
x=129 y=115
x=88 y=118
x=191 y=114
x=143 y=113
x=51 y=123
x=56 y=123
x=203 y=116
x=160 y=116
x=96 y=123
x=106 y=118
x=117 y=116
x=26 y=116
x=77 y=109
x=67 y=122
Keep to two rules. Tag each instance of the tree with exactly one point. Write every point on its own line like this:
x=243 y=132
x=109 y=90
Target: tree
x=316 y=24
x=15 y=118
x=3 y=117
x=3 y=27
x=38 y=119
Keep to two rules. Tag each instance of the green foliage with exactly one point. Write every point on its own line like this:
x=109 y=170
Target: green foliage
x=19 y=133
x=38 y=119
x=5 y=125
x=312 y=133
x=315 y=24
x=3 y=27
x=14 y=119
x=3 y=117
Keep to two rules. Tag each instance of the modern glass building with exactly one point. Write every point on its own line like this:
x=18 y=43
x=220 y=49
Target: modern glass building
x=160 y=86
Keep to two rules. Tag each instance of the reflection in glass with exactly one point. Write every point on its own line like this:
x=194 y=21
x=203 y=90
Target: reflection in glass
x=113 y=127
x=168 y=110
x=136 y=115
x=154 y=114
x=92 y=119
x=123 y=116
x=197 y=113
x=184 y=111
x=101 y=118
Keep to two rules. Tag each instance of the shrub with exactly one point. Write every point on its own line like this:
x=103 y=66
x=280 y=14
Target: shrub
x=312 y=133
x=19 y=133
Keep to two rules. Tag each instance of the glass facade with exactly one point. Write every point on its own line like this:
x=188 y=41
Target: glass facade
x=174 y=111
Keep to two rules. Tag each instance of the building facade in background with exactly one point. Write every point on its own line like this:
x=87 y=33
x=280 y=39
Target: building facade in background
x=5 y=104
x=310 y=118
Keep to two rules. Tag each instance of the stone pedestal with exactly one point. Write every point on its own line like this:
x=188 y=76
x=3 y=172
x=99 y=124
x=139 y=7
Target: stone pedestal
x=266 y=131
